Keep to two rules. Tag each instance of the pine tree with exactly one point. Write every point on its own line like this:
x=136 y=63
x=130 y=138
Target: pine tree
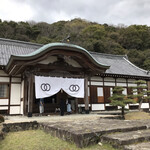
x=119 y=99
x=148 y=97
x=140 y=92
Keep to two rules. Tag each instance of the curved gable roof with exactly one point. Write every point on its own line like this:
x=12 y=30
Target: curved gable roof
x=56 y=48
x=52 y=46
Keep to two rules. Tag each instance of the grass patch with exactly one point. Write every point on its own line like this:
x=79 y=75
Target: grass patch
x=39 y=140
x=139 y=115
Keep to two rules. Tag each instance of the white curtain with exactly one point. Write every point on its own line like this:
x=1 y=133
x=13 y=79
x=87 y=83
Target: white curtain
x=48 y=86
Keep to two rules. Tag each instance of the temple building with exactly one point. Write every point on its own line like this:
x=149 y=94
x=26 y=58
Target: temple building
x=61 y=71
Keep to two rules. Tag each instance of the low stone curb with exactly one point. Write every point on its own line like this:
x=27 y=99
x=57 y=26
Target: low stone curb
x=14 y=127
x=80 y=138
x=75 y=132
x=120 y=139
x=139 y=146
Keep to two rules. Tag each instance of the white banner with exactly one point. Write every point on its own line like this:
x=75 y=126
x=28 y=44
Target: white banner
x=48 y=86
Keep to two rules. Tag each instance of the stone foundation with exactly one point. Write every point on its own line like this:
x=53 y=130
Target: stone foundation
x=87 y=132
x=14 y=127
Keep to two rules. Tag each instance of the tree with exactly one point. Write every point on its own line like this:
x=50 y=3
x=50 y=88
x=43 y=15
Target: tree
x=119 y=99
x=140 y=92
x=148 y=98
x=146 y=64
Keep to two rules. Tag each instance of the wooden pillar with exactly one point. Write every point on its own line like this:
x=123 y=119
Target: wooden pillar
x=76 y=106
x=30 y=95
x=25 y=99
x=9 y=95
x=86 y=95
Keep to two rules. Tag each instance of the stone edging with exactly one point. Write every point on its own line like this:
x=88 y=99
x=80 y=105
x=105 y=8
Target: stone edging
x=14 y=127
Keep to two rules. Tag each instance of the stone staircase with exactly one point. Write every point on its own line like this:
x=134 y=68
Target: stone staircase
x=131 y=140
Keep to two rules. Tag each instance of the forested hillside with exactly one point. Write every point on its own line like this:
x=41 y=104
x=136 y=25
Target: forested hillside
x=134 y=40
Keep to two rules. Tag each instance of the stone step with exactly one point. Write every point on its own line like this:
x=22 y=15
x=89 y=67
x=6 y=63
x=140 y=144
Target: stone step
x=119 y=139
x=139 y=146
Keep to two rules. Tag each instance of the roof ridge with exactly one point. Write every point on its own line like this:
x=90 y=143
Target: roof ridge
x=20 y=42
x=105 y=54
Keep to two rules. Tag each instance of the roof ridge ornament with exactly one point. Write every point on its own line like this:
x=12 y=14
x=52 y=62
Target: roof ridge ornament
x=66 y=39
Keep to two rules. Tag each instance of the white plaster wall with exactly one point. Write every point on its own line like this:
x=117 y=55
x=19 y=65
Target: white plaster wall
x=3 y=101
x=145 y=105
x=121 y=80
x=121 y=84
x=83 y=105
x=131 y=80
x=4 y=79
x=14 y=109
x=96 y=83
x=2 y=73
x=22 y=89
x=109 y=84
x=99 y=91
x=132 y=85
x=109 y=79
x=4 y=108
x=97 y=78
x=21 y=107
x=107 y=105
x=135 y=91
x=134 y=104
x=15 y=94
x=111 y=91
x=98 y=107
x=16 y=80
x=124 y=91
x=126 y=107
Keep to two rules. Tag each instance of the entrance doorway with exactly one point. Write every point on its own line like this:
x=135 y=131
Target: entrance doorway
x=52 y=104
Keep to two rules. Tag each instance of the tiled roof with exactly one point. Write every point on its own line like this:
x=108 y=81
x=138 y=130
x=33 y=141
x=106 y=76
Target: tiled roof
x=118 y=64
x=14 y=47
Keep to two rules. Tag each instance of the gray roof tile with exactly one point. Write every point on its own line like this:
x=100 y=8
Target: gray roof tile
x=14 y=47
x=118 y=64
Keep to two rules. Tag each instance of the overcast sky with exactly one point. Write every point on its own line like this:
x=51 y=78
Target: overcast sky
x=114 y=12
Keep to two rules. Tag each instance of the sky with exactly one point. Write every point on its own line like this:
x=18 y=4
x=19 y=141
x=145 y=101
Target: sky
x=112 y=12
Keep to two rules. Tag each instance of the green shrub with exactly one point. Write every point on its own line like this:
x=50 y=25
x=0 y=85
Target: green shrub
x=1 y=119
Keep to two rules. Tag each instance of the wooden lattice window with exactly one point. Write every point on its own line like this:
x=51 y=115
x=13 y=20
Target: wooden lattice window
x=4 y=90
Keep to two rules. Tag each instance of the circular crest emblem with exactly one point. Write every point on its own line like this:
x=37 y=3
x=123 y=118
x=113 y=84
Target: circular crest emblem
x=74 y=88
x=45 y=87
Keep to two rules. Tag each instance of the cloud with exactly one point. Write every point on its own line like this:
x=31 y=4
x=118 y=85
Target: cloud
x=11 y=10
x=102 y=11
